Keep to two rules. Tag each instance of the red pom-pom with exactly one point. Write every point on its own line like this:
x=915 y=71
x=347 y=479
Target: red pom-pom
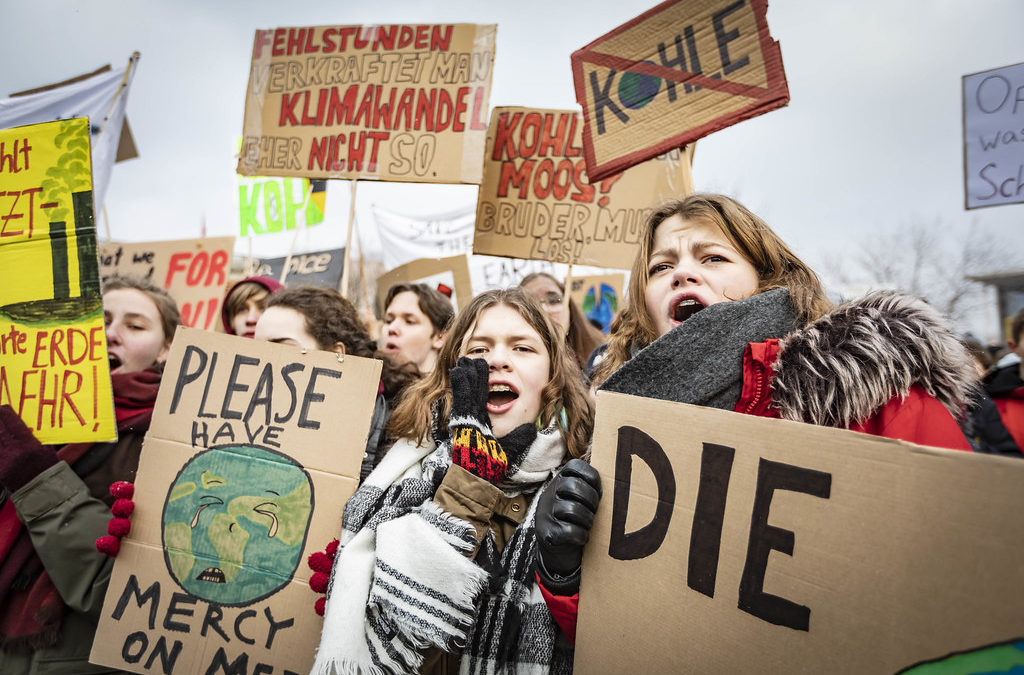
x=108 y=545
x=122 y=508
x=119 y=527
x=122 y=489
x=319 y=606
x=319 y=562
x=332 y=549
x=318 y=582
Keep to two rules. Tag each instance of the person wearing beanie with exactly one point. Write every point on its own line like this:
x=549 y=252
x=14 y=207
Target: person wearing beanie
x=55 y=503
x=244 y=304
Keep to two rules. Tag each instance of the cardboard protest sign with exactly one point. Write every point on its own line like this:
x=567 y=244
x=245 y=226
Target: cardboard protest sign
x=676 y=73
x=452 y=273
x=253 y=451
x=392 y=102
x=599 y=296
x=193 y=271
x=994 y=137
x=728 y=543
x=537 y=202
x=276 y=204
x=317 y=268
x=53 y=349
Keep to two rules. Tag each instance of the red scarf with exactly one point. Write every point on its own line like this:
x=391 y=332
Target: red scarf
x=31 y=609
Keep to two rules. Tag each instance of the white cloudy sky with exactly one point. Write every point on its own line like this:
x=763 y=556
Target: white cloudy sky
x=870 y=140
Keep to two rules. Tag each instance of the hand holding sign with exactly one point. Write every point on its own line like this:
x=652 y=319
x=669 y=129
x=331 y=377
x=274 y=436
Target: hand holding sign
x=565 y=514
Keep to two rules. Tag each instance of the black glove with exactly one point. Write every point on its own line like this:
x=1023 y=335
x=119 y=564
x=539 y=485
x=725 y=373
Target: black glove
x=565 y=514
x=474 y=447
x=469 y=380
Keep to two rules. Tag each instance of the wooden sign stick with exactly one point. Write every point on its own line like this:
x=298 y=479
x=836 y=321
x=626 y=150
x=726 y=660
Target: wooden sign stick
x=343 y=288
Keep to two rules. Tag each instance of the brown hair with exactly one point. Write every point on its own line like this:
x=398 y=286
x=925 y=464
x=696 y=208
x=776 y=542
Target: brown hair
x=170 y=317
x=435 y=306
x=776 y=265
x=564 y=390
x=582 y=337
x=330 y=319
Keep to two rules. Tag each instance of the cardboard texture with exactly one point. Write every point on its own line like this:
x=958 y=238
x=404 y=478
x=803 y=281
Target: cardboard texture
x=267 y=205
x=676 y=73
x=453 y=272
x=392 y=102
x=193 y=271
x=536 y=201
x=994 y=137
x=316 y=268
x=253 y=451
x=53 y=348
x=599 y=296
x=782 y=547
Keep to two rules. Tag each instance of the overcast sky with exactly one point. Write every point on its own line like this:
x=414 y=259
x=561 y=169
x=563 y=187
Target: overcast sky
x=871 y=138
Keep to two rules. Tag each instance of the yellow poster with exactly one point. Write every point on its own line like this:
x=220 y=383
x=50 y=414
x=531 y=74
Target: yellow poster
x=53 y=349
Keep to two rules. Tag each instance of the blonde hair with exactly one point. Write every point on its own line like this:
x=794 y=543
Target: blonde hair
x=776 y=265
x=564 y=390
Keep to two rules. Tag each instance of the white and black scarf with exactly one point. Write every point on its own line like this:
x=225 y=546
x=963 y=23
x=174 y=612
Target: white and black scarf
x=401 y=582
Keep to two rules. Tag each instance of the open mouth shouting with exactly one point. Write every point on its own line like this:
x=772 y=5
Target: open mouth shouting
x=114 y=362
x=500 y=397
x=683 y=307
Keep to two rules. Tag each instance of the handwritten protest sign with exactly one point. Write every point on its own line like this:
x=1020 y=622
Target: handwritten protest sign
x=452 y=273
x=277 y=204
x=53 y=349
x=536 y=200
x=676 y=73
x=253 y=451
x=317 y=268
x=193 y=271
x=758 y=544
x=599 y=296
x=994 y=137
x=391 y=102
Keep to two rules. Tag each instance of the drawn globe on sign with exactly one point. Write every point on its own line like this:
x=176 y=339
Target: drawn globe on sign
x=235 y=522
x=637 y=89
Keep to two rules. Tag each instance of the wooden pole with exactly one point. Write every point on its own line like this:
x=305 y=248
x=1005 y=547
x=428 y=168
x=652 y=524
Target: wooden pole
x=568 y=289
x=343 y=289
x=363 y=287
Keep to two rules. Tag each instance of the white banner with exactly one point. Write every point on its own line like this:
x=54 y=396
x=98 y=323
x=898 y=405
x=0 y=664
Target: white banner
x=101 y=98
x=405 y=238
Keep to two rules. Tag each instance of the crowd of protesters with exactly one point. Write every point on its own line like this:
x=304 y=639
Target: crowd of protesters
x=476 y=491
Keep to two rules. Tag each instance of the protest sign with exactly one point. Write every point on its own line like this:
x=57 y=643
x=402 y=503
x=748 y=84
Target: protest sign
x=391 y=102
x=54 y=370
x=102 y=98
x=994 y=137
x=536 y=200
x=276 y=204
x=599 y=296
x=317 y=268
x=731 y=543
x=253 y=451
x=193 y=271
x=451 y=273
x=676 y=73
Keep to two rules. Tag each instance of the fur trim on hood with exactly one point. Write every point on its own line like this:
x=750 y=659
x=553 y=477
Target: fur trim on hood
x=843 y=367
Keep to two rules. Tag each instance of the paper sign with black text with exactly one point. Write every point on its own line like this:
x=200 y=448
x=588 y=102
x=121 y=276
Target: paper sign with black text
x=193 y=271
x=390 y=102
x=253 y=451
x=676 y=73
x=316 y=268
x=730 y=543
x=452 y=273
x=537 y=202
x=994 y=137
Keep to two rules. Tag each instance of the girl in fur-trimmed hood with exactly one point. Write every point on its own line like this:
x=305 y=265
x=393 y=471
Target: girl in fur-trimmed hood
x=721 y=313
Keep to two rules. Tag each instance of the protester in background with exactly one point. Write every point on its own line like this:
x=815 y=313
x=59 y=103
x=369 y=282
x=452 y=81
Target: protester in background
x=580 y=335
x=244 y=304
x=1006 y=386
x=448 y=515
x=415 y=320
x=721 y=313
x=982 y=425
x=320 y=318
x=56 y=503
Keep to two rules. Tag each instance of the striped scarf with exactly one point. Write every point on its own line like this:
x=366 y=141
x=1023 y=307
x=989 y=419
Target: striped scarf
x=402 y=583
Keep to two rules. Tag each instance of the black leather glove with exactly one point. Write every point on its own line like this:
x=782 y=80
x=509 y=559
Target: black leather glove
x=565 y=514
